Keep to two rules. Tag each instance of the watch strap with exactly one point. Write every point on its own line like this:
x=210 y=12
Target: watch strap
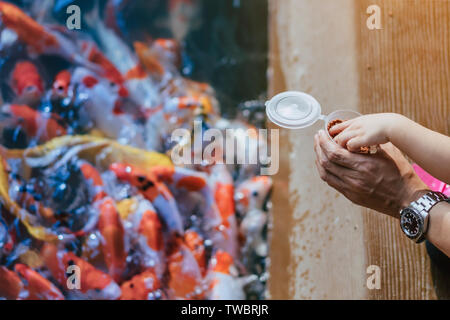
x=423 y=205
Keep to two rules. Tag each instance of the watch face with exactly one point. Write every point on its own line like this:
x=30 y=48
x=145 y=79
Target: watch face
x=411 y=223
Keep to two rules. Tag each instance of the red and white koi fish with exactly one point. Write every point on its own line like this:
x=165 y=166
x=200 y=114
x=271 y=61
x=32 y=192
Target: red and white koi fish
x=141 y=88
x=36 y=287
x=252 y=193
x=222 y=275
x=94 y=284
x=35 y=124
x=144 y=286
x=109 y=71
x=153 y=190
x=221 y=183
x=251 y=229
x=39 y=39
x=27 y=83
x=250 y=197
x=185 y=276
x=146 y=230
x=101 y=108
x=195 y=243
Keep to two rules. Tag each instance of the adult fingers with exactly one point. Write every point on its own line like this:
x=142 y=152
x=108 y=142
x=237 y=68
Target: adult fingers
x=337 y=154
x=331 y=179
x=333 y=168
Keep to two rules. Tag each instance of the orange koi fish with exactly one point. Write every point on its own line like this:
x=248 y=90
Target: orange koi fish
x=27 y=83
x=10 y=284
x=94 y=284
x=112 y=231
x=185 y=276
x=36 y=286
x=144 y=286
x=38 y=38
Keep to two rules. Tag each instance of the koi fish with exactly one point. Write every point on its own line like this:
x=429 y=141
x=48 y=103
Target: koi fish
x=161 y=58
x=36 y=286
x=221 y=183
x=10 y=284
x=109 y=71
x=93 y=177
x=153 y=190
x=27 y=83
x=185 y=276
x=61 y=83
x=39 y=39
x=109 y=224
x=251 y=228
x=191 y=181
x=149 y=60
x=101 y=107
x=112 y=231
x=222 y=275
x=146 y=229
x=195 y=243
x=141 y=88
x=144 y=286
x=252 y=193
x=94 y=284
x=35 y=123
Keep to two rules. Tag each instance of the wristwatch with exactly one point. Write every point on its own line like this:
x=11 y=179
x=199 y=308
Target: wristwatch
x=414 y=218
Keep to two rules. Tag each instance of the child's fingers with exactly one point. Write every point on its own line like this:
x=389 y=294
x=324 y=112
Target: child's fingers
x=336 y=129
x=355 y=144
x=342 y=138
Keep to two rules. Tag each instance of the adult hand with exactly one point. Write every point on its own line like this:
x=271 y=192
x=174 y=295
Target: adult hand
x=384 y=181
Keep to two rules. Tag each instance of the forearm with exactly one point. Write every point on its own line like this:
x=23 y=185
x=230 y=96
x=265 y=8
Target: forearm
x=429 y=149
x=439 y=227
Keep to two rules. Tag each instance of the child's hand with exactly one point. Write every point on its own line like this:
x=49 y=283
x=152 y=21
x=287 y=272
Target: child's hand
x=364 y=131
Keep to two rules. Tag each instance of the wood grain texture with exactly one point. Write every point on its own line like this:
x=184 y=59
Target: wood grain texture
x=313 y=44
x=404 y=68
x=280 y=227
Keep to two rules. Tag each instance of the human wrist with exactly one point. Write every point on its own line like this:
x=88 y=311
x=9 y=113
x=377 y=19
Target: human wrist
x=395 y=127
x=411 y=192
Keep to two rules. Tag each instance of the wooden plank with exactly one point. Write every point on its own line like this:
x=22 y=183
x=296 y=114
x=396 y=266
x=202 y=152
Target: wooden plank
x=280 y=225
x=324 y=48
x=313 y=44
x=404 y=68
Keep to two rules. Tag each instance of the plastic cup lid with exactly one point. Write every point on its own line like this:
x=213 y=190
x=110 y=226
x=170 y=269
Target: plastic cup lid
x=293 y=110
